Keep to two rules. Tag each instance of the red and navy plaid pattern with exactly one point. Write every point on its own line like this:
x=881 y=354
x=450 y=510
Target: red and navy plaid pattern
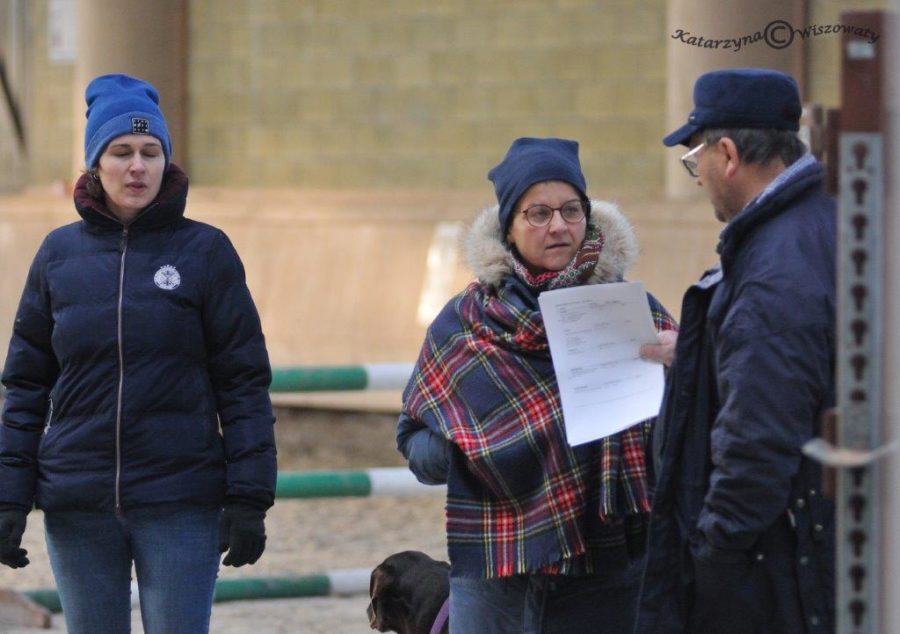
x=520 y=499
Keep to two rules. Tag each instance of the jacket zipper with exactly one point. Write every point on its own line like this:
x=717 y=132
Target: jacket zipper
x=49 y=417
x=121 y=372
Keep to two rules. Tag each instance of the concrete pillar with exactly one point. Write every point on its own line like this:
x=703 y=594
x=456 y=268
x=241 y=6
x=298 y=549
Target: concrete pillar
x=686 y=60
x=139 y=38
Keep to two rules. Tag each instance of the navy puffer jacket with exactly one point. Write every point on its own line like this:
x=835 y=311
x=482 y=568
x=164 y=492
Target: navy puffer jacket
x=738 y=510
x=137 y=372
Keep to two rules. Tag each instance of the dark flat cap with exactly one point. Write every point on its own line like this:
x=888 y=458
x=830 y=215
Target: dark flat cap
x=741 y=98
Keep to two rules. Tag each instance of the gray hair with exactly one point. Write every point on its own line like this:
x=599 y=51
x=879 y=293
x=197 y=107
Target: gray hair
x=760 y=145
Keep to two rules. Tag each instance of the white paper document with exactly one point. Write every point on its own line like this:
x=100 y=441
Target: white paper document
x=595 y=334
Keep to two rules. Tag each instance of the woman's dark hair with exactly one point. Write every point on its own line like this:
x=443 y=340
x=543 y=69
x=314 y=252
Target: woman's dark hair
x=760 y=145
x=93 y=185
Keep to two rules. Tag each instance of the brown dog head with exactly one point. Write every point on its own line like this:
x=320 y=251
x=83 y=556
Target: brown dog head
x=407 y=591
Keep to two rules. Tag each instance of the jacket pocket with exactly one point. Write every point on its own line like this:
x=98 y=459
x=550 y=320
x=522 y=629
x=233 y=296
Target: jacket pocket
x=816 y=577
x=726 y=591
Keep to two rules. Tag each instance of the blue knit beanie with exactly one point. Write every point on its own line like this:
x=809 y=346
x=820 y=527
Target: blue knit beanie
x=117 y=105
x=531 y=161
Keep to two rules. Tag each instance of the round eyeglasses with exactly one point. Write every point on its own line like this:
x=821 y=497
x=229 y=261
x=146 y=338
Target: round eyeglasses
x=691 y=160
x=541 y=215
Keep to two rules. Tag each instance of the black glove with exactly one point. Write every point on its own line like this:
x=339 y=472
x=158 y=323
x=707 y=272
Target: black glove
x=242 y=533
x=12 y=527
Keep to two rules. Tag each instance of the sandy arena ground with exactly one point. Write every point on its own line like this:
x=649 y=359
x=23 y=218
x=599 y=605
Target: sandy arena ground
x=304 y=536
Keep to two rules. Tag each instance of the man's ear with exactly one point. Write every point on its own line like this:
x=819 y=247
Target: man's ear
x=730 y=151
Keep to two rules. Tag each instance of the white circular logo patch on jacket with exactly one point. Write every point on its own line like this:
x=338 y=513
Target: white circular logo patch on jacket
x=167 y=277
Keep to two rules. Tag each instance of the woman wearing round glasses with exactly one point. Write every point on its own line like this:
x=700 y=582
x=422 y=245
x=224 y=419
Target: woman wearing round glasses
x=542 y=537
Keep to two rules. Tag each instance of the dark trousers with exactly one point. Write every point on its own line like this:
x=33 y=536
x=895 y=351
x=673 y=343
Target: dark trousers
x=542 y=604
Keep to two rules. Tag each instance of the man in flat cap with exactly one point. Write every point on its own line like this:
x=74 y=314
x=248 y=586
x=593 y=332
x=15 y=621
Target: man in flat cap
x=741 y=537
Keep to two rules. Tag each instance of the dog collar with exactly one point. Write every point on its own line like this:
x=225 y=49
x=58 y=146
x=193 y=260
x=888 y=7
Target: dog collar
x=441 y=619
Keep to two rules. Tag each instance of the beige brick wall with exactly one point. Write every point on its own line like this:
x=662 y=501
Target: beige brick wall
x=410 y=93
x=355 y=93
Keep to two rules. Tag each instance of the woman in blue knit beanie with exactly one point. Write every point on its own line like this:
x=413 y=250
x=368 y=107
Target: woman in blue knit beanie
x=137 y=413
x=542 y=536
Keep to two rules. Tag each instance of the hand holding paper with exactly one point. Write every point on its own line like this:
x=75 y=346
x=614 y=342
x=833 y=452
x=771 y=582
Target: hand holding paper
x=595 y=333
x=663 y=351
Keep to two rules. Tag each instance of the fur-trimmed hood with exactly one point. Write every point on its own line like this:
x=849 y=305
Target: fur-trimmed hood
x=489 y=259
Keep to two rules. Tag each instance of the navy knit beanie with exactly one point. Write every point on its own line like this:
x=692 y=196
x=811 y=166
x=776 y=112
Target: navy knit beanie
x=117 y=105
x=531 y=161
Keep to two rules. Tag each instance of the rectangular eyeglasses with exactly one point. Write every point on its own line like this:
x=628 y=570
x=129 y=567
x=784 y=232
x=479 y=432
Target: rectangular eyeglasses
x=690 y=160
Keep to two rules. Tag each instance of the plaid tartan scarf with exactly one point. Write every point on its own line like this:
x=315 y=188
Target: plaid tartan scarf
x=519 y=498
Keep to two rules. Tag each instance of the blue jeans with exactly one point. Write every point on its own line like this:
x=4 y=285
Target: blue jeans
x=176 y=561
x=541 y=604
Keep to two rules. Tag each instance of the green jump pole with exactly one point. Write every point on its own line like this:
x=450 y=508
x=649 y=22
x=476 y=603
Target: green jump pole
x=319 y=379
x=333 y=583
x=323 y=484
x=272 y=588
x=48 y=599
x=336 y=378
x=375 y=481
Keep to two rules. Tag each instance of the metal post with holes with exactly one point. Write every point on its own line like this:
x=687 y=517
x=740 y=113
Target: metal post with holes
x=860 y=204
x=863 y=419
x=889 y=498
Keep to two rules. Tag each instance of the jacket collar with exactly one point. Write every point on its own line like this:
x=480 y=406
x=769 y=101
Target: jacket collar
x=167 y=207
x=805 y=174
x=490 y=260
